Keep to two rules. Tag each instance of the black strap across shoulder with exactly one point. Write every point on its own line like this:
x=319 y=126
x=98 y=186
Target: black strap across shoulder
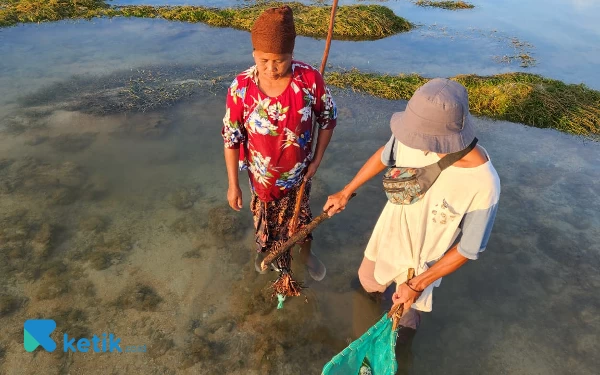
x=452 y=158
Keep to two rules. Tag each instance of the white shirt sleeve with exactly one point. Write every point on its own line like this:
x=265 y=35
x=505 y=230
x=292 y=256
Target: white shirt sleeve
x=476 y=229
x=388 y=156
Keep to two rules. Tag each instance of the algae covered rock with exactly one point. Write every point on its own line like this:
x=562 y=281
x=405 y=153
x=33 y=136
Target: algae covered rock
x=146 y=126
x=101 y=260
x=55 y=280
x=259 y=302
x=224 y=223
x=41 y=242
x=160 y=344
x=184 y=198
x=141 y=297
x=26 y=244
x=72 y=142
x=19 y=124
x=5 y=163
x=93 y=224
x=9 y=304
x=72 y=320
x=62 y=196
x=193 y=254
x=95 y=188
x=198 y=349
x=191 y=222
x=36 y=140
x=108 y=250
x=59 y=184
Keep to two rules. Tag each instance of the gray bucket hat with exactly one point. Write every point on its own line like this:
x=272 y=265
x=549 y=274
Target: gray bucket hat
x=436 y=118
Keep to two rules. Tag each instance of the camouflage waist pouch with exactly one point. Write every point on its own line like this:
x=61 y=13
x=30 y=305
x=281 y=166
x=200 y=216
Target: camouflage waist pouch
x=405 y=185
x=402 y=186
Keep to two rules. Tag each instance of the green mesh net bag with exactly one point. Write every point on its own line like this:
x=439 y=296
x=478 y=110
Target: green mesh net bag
x=372 y=354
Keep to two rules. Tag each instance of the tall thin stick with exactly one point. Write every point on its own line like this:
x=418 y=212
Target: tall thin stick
x=329 y=37
x=294 y=221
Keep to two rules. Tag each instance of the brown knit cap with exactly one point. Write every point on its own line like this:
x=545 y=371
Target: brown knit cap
x=274 y=31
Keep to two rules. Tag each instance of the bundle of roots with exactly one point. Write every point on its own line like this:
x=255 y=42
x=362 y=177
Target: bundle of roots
x=285 y=285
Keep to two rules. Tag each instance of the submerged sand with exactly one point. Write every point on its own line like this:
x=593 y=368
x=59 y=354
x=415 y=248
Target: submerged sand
x=116 y=221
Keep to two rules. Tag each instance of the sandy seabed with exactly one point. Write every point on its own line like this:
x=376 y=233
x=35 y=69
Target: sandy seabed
x=117 y=222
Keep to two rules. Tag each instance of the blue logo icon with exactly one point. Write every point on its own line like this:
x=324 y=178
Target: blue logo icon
x=37 y=332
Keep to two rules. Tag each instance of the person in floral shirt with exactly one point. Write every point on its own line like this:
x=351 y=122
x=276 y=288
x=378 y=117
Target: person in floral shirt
x=268 y=130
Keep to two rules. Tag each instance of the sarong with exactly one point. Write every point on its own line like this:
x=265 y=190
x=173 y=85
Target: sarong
x=272 y=221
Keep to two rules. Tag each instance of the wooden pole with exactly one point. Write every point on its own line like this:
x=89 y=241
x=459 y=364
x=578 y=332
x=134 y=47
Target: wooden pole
x=294 y=220
x=280 y=248
x=329 y=37
x=396 y=312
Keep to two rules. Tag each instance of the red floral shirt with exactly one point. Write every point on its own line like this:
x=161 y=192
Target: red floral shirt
x=274 y=134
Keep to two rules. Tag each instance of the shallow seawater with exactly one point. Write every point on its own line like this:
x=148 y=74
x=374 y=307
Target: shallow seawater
x=114 y=220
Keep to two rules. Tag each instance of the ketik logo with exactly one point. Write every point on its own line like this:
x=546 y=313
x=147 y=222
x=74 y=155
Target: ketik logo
x=83 y=345
x=37 y=332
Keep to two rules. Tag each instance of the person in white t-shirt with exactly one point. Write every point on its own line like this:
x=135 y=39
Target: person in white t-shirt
x=451 y=223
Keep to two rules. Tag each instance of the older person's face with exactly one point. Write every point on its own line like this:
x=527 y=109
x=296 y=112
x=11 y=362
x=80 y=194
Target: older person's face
x=273 y=66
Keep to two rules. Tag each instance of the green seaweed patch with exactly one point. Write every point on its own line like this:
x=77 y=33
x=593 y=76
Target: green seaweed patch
x=518 y=97
x=451 y=5
x=23 y=11
x=353 y=22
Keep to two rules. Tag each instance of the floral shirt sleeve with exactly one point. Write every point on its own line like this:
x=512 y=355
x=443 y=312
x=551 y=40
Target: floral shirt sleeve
x=324 y=107
x=233 y=131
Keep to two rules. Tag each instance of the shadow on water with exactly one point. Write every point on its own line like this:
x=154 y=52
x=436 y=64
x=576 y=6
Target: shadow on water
x=114 y=220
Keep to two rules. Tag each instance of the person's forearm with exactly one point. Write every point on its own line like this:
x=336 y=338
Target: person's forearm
x=370 y=169
x=450 y=262
x=322 y=143
x=232 y=156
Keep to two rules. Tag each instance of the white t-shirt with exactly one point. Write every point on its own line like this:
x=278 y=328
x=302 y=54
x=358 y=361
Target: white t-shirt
x=460 y=206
